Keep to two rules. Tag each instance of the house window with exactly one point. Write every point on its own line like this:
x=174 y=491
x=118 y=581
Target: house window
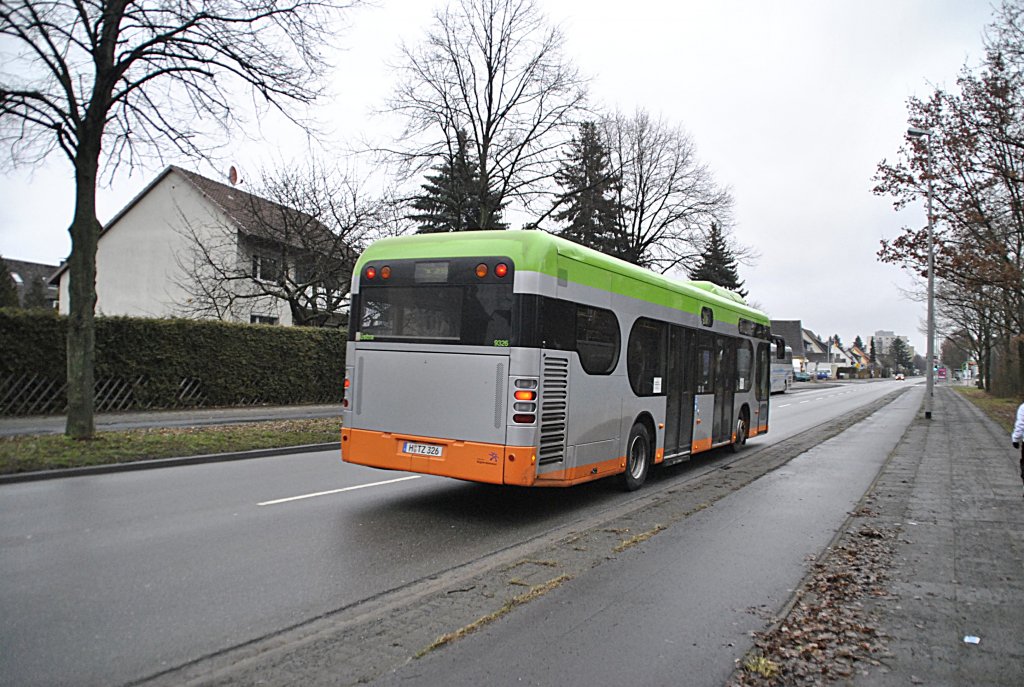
x=265 y=269
x=262 y=319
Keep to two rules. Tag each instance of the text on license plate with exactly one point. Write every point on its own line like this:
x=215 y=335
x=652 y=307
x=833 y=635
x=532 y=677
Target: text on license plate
x=418 y=449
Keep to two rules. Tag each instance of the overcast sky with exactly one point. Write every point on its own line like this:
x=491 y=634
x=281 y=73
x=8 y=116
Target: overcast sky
x=791 y=104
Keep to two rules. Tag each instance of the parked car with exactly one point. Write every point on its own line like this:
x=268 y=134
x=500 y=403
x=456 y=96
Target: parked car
x=823 y=374
x=900 y=377
x=801 y=377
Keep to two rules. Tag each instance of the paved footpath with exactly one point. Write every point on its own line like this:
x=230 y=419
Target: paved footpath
x=54 y=424
x=954 y=490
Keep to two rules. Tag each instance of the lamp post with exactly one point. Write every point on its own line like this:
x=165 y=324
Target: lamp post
x=914 y=132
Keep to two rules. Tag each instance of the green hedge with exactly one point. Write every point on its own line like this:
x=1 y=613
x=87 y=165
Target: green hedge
x=223 y=364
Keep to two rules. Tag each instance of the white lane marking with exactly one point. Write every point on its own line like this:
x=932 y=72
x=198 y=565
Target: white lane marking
x=802 y=402
x=786 y=405
x=336 y=491
x=820 y=398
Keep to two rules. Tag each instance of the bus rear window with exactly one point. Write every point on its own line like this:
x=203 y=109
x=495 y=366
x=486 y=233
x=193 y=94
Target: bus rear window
x=467 y=314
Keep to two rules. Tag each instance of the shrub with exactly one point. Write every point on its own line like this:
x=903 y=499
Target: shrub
x=170 y=363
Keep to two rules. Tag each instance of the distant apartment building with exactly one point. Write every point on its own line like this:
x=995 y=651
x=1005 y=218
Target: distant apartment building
x=884 y=339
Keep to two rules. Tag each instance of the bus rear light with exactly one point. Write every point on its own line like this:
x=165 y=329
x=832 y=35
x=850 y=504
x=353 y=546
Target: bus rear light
x=348 y=382
x=344 y=403
x=371 y=273
x=500 y=270
x=524 y=407
x=481 y=270
x=385 y=272
x=526 y=383
x=524 y=395
x=524 y=419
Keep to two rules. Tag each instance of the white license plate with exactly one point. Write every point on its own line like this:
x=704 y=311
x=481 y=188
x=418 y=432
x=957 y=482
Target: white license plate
x=432 y=450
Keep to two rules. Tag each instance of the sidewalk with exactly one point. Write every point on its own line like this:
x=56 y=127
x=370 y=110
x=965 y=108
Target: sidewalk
x=954 y=490
x=54 y=424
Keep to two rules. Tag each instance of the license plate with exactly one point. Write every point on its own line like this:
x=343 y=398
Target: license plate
x=432 y=450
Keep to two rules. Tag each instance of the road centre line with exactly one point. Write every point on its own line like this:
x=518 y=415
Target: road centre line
x=337 y=491
x=786 y=405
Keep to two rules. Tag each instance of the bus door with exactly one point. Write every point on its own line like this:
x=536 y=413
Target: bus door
x=679 y=393
x=763 y=380
x=704 y=391
x=725 y=389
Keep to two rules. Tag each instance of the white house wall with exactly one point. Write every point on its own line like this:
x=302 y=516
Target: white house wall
x=137 y=258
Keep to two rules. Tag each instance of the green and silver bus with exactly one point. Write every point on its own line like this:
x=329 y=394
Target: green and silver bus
x=520 y=358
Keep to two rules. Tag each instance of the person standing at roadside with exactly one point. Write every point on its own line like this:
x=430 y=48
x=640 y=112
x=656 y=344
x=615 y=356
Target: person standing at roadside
x=1018 y=436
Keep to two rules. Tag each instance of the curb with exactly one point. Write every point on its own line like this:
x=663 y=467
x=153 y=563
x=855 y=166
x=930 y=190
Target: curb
x=164 y=463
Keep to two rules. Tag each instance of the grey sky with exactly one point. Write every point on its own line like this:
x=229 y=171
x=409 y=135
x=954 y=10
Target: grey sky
x=792 y=104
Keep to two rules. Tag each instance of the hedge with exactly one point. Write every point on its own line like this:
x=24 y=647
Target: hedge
x=171 y=363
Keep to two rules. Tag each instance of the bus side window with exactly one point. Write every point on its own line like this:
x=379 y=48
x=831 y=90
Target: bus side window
x=646 y=357
x=597 y=339
x=744 y=361
x=705 y=363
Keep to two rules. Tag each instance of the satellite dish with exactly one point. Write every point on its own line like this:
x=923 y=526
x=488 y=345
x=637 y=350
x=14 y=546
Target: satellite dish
x=233 y=176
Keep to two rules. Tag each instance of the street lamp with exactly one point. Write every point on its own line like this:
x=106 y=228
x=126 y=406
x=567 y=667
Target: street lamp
x=914 y=132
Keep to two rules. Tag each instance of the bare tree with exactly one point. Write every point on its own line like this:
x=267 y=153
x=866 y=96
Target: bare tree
x=117 y=80
x=295 y=241
x=666 y=199
x=495 y=70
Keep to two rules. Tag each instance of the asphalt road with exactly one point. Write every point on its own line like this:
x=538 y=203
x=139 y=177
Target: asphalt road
x=108 y=579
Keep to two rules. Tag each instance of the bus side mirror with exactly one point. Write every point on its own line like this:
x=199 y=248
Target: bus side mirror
x=780 y=348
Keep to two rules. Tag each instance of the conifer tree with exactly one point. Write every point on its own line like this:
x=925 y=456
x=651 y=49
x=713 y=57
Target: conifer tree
x=588 y=186
x=452 y=198
x=717 y=264
x=8 y=290
x=858 y=342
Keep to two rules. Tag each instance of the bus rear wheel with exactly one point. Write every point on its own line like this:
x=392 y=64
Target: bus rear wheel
x=638 y=458
x=742 y=429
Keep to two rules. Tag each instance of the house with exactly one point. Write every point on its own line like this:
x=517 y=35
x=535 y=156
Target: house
x=32 y=283
x=792 y=332
x=189 y=246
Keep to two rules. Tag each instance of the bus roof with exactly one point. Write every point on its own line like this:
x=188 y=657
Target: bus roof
x=538 y=251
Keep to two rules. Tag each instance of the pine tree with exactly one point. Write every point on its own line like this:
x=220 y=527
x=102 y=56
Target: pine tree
x=900 y=354
x=717 y=264
x=8 y=290
x=587 y=194
x=858 y=342
x=451 y=198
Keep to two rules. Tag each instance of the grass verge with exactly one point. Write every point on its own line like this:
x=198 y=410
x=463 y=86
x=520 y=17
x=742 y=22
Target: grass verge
x=50 y=452
x=534 y=593
x=1002 y=410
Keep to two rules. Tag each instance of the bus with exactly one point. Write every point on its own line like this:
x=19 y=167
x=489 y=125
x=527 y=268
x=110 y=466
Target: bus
x=782 y=369
x=520 y=358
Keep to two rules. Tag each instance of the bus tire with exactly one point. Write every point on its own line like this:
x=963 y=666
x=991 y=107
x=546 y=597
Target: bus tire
x=742 y=430
x=638 y=458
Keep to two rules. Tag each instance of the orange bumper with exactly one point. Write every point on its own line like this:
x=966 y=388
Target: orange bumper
x=476 y=462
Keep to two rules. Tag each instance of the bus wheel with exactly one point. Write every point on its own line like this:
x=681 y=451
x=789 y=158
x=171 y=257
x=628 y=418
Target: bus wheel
x=742 y=427
x=638 y=458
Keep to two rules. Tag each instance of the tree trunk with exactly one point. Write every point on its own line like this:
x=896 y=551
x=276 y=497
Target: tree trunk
x=81 y=342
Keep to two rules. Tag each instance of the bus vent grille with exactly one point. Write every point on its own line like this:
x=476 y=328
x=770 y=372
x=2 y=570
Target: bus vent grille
x=554 y=410
x=499 y=396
